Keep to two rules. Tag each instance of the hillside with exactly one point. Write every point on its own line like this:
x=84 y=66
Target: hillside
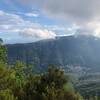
x=79 y=56
x=62 y=51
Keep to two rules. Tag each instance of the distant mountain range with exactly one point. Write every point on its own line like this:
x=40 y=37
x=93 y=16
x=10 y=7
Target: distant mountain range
x=68 y=50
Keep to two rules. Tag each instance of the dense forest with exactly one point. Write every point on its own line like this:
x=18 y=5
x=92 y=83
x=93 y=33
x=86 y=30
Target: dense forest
x=17 y=82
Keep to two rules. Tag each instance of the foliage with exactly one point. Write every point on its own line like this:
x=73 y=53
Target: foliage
x=16 y=85
x=3 y=54
x=7 y=95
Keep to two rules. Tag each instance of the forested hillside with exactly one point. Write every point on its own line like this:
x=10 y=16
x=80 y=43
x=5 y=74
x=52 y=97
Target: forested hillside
x=19 y=83
x=62 y=51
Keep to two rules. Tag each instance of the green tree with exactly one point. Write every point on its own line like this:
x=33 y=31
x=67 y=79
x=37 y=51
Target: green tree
x=6 y=83
x=49 y=86
x=7 y=95
x=3 y=52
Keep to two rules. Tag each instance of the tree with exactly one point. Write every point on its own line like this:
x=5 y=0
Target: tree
x=49 y=86
x=6 y=83
x=3 y=52
x=7 y=95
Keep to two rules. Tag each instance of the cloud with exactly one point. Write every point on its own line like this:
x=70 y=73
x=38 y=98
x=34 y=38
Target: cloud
x=38 y=33
x=62 y=30
x=31 y=14
x=24 y=29
x=78 y=10
x=83 y=13
x=26 y=3
x=32 y=2
x=7 y=18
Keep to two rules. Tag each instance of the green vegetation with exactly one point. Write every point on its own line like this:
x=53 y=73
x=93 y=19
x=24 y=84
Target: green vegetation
x=19 y=83
x=15 y=84
x=3 y=54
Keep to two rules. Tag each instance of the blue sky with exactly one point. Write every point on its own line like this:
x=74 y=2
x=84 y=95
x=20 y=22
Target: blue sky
x=23 y=21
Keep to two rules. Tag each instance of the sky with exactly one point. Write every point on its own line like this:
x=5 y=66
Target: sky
x=23 y=21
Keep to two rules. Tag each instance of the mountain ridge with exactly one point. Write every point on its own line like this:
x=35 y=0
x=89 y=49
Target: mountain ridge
x=74 y=50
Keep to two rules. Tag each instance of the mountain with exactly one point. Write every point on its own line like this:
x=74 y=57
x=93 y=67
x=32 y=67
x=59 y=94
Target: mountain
x=77 y=55
x=62 y=51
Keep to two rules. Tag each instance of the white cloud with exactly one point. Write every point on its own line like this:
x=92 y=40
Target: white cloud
x=15 y=24
x=38 y=33
x=32 y=14
x=7 y=18
x=83 y=13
